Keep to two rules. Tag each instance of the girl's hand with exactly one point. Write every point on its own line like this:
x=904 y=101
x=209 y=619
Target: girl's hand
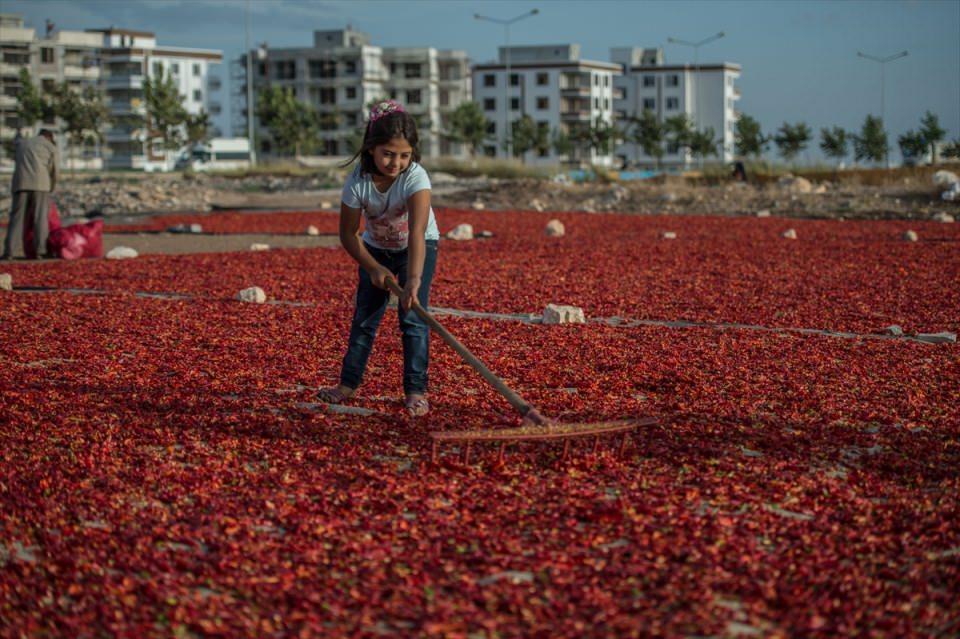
x=410 y=291
x=380 y=275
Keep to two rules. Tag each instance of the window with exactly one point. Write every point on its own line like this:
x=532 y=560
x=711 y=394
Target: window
x=543 y=79
x=649 y=81
x=411 y=70
x=606 y=80
x=650 y=104
x=350 y=66
x=413 y=96
x=351 y=93
x=514 y=80
x=46 y=55
x=157 y=69
x=198 y=95
x=623 y=93
x=489 y=80
x=491 y=128
x=328 y=95
x=444 y=97
x=514 y=104
x=606 y=104
x=393 y=94
x=196 y=69
x=489 y=104
x=393 y=68
x=285 y=69
x=263 y=68
x=322 y=68
x=673 y=103
x=490 y=151
x=543 y=103
x=673 y=80
x=175 y=68
x=596 y=80
x=47 y=84
x=329 y=147
x=673 y=148
x=729 y=103
x=596 y=103
x=265 y=146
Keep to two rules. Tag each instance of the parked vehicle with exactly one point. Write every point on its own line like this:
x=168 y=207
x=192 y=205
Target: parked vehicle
x=219 y=154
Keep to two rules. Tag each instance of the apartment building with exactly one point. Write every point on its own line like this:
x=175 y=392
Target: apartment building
x=55 y=57
x=550 y=83
x=343 y=72
x=128 y=58
x=707 y=93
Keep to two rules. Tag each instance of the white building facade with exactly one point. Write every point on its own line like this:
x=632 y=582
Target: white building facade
x=706 y=93
x=342 y=73
x=561 y=93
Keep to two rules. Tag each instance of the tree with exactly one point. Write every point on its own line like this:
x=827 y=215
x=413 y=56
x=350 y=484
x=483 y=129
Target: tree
x=748 y=138
x=647 y=133
x=952 y=150
x=932 y=133
x=562 y=142
x=31 y=106
x=468 y=125
x=704 y=143
x=791 y=139
x=599 y=136
x=166 y=114
x=198 y=127
x=679 y=130
x=833 y=142
x=293 y=125
x=871 y=143
x=83 y=113
x=528 y=136
x=912 y=146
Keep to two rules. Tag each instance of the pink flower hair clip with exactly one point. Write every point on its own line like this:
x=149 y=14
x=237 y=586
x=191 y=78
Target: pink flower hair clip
x=386 y=107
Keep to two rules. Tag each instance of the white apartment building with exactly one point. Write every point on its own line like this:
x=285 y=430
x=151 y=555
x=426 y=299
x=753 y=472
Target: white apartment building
x=342 y=73
x=560 y=92
x=58 y=56
x=707 y=93
x=129 y=57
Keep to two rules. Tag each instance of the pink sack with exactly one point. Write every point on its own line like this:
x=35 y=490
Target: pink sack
x=79 y=240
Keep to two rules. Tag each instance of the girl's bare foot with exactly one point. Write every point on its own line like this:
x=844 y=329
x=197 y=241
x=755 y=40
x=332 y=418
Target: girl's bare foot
x=417 y=405
x=336 y=394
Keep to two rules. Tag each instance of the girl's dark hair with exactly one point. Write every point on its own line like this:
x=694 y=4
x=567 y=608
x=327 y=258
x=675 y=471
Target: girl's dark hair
x=397 y=124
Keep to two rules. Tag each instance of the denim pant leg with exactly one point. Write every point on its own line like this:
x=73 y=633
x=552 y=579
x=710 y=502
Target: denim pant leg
x=370 y=305
x=416 y=333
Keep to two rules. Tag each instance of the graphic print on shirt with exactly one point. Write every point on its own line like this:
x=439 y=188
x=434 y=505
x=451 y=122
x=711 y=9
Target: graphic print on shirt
x=390 y=227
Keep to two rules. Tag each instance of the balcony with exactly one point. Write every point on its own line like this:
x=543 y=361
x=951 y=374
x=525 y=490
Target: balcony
x=127 y=106
x=575 y=116
x=8 y=69
x=78 y=72
x=8 y=101
x=124 y=81
x=214 y=83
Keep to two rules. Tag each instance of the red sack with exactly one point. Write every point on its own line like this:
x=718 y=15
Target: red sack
x=79 y=240
x=53 y=224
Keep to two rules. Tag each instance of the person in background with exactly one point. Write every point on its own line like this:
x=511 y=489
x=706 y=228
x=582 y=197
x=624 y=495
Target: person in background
x=34 y=179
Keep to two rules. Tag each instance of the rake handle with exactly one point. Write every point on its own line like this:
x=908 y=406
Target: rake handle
x=501 y=387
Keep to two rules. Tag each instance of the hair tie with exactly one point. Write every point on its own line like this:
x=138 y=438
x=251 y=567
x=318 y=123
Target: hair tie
x=386 y=107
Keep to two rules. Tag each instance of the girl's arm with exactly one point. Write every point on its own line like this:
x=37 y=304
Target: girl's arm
x=418 y=207
x=350 y=239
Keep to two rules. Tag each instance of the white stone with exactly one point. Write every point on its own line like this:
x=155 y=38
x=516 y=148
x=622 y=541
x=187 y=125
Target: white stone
x=820 y=189
x=894 y=330
x=461 y=232
x=259 y=247
x=478 y=205
x=537 y=205
x=669 y=235
x=943 y=217
x=326 y=205
x=196 y=228
x=910 y=236
x=795 y=184
x=951 y=194
x=253 y=294
x=121 y=253
x=312 y=230
x=945 y=178
x=763 y=213
x=555 y=228
x=6 y=282
x=943 y=337
x=560 y=314
x=789 y=234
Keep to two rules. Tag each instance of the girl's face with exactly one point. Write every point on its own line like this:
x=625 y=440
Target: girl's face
x=393 y=157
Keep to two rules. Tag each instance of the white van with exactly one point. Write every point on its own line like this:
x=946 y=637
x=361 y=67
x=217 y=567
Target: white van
x=219 y=154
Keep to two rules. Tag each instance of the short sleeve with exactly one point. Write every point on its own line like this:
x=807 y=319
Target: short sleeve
x=351 y=192
x=417 y=180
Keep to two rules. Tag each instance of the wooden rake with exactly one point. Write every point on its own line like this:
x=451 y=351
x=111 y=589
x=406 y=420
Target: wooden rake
x=535 y=426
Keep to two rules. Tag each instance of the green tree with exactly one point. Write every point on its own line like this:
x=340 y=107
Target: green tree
x=704 y=143
x=468 y=125
x=293 y=125
x=198 y=127
x=952 y=150
x=748 y=137
x=31 y=106
x=871 y=143
x=599 y=136
x=912 y=146
x=791 y=139
x=166 y=114
x=834 y=142
x=83 y=113
x=679 y=130
x=647 y=133
x=562 y=143
x=932 y=133
x=528 y=136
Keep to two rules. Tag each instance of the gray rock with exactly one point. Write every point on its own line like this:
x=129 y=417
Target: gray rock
x=254 y=294
x=555 y=228
x=6 y=282
x=121 y=253
x=893 y=329
x=789 y=234
x=461 y=232
x=312 y=230
x=561 y=314
x=910 y=236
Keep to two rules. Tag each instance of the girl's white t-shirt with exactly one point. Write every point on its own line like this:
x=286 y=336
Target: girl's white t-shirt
x=386 y=216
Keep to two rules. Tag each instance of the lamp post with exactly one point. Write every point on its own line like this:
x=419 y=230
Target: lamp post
x=506 y=50
x=251 y=152
x=696 y=65
x=883 y=65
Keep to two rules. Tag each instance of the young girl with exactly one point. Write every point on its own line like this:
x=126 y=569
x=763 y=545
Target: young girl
x=390 y=189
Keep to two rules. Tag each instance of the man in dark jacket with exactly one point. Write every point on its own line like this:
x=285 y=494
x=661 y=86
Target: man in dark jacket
x=34 y=178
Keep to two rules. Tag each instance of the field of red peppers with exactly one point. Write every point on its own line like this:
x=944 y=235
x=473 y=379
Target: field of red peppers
x=160 y=476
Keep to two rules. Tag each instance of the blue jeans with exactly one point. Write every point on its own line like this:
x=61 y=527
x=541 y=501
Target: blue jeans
x=370 y=305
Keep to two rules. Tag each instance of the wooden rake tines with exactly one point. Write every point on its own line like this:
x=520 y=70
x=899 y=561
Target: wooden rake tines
x=555 y=431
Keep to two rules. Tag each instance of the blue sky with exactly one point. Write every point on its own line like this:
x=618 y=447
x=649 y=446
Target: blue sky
x=799 y=58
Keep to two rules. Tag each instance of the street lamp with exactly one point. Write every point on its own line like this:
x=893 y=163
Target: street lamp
x=883 y=64
x=696 y=64
x=506 y=89
x=251 y=153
